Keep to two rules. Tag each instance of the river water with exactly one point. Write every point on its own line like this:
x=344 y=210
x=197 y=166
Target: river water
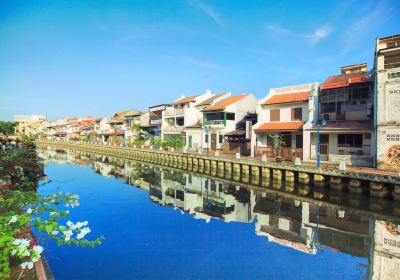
x=161 y=223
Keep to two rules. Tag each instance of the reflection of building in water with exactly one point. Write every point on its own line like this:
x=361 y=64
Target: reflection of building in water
x=385 y=251
x=342 y=230
x=284 y=221
x=302 y=224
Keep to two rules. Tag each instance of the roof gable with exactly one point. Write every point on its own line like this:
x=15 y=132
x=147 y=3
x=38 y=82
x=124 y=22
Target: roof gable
x=226 y=102
x=184 y=100
x=287 y=98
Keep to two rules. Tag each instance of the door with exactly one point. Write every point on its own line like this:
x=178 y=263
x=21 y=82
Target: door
x=286 y=149
x=324 y=144
x=213 y=141
x=190 y=141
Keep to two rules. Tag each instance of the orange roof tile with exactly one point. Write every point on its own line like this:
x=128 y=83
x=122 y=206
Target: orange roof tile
x=288 y=98
x=280 y=127
x=226 y=102
x=184 y=100
x=344 y=80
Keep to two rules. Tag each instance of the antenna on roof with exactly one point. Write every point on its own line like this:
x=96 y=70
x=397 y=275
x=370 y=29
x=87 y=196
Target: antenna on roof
x=206 y=75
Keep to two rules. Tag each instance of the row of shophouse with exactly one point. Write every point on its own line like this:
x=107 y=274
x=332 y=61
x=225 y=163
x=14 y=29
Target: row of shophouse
x=353 y=116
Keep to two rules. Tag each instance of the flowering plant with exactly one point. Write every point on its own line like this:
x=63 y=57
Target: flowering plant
x=22 y=208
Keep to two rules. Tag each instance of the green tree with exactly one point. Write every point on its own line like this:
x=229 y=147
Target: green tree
x=7 y=128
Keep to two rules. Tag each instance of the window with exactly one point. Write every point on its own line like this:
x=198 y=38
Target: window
x=180 y=121
x=230 y=116
x=393 y=75
x=350 y=140
x=391 y=60
x=287 y=140
x=190 y=178
x=221 y=138
x=206 y=140
x=274 y=115
x=328 y=107
x=297 y=114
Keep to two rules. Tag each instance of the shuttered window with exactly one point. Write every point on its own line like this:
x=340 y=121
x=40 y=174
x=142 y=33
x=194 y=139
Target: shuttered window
x=274 y=115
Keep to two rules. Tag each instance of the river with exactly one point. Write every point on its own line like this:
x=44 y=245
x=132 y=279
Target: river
x=161 y=223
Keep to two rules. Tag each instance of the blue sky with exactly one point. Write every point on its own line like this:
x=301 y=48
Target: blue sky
x=78 y=58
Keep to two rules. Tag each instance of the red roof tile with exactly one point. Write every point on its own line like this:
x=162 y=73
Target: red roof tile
x=184 y=100
x=226 y=102
x=344 y=80
x=288 y=98
x=280 y=127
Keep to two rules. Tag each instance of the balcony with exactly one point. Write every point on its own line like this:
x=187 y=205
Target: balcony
x=156 y=122
x=214 y=122
x=171 y=112
x=173 y=129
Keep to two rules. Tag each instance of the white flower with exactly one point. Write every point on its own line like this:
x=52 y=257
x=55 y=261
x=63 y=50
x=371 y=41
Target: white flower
x=67 y=205
x=26 y=265
x=13 y=252
x=13 y=220
x=53 y=213
x=37 y=249
x=52 y=201
x=29 y=211
x=69 y=223
x=26 y=253
x=54 y=232
x=67 y=238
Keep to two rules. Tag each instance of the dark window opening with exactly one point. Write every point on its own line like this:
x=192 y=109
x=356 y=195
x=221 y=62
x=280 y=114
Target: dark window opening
x=350 y=140
x=299 y=141
x=230 y=116
x=206 y=140
x=221 y=138
x=180 y=121
x=297 y=114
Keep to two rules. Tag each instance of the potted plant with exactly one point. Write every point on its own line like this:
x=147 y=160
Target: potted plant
x=277 y=142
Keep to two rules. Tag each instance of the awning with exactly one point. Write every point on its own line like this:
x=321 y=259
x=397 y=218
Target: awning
x=236 y=133
x=280 y=127
x=345 y=126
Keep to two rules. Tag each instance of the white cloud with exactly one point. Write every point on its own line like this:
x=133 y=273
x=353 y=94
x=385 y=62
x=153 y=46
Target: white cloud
x=314 y=37
x=208 y=10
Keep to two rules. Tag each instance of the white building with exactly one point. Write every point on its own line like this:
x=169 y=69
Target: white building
x=194 y=133
x=287 y=111
x=183 y=115
x=223 y=117
x=26 y=119
x=387 y=102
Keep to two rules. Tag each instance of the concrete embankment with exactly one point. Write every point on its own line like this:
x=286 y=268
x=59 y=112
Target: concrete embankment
x=252 y=172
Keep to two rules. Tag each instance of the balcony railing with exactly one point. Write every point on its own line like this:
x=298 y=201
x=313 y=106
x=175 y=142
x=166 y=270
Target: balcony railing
x=214 y=122
x=156 y=122
x=173 y=129
x=174 y=112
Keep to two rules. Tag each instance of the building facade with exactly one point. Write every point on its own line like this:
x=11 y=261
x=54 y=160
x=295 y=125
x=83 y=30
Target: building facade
x=288 y=112
x=387 y=102
x=345 y=118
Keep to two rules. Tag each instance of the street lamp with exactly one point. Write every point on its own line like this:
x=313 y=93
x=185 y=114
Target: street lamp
x=323 y=123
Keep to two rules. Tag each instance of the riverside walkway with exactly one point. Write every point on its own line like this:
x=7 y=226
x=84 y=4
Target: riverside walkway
x=252 y=171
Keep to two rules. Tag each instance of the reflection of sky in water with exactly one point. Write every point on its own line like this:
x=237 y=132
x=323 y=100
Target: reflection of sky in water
x=145 y=240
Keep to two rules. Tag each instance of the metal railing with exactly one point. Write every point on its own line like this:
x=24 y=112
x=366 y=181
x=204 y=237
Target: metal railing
x=214 y=122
